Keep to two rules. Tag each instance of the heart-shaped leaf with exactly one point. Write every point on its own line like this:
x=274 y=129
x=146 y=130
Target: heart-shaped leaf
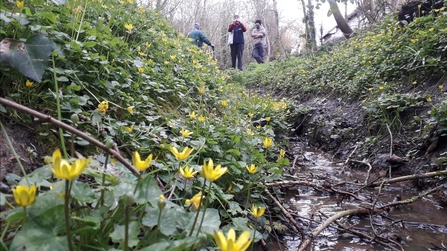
x=30 y=58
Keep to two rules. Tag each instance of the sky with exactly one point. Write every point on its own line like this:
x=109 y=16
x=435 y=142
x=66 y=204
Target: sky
x=290 y=9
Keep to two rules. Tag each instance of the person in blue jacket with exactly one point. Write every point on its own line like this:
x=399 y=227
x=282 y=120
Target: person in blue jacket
x=237 y=47
x=198 y=37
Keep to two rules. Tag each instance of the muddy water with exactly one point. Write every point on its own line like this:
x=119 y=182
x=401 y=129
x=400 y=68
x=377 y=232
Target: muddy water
x=419 y=226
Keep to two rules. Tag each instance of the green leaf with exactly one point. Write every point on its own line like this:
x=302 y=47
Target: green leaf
x=49 y=16
x=147 y=190
x=2 y=109
x=42 y=232
x=118 y=234
x=30 y=58
x=240 y=223
x=82 y=192
x=210 y=223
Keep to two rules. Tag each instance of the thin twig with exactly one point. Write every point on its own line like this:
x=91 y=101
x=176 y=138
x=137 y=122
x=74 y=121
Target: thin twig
x=46 y=118
x=285 y=212
x=349 y=157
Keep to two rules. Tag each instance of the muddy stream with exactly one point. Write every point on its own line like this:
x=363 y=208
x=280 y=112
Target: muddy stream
x=421 y=225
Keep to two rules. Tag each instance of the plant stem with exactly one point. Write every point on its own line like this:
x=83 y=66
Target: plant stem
x=67 y=214
x=198 y=209
x=126 y=229
x=101 y=199
x=58 y=105
x=26 y=217
x=16 y=156
x=253 y=243
x=204 y=210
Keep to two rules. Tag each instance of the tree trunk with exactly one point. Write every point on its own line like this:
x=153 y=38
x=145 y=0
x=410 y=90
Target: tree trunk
x=341 y=22
x=312 y=30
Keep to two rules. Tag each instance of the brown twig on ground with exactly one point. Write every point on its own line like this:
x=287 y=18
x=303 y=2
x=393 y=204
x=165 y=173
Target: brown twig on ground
x=305 y=243
x=46 y=118
x=368 y=172
x=349 y=157
x=391 y=146
x=285 y=212
x=408 y=177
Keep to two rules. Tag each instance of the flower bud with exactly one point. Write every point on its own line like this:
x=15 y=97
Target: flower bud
x=128 y=199
x=74 y=118
x=161 y=202
x=109 y=143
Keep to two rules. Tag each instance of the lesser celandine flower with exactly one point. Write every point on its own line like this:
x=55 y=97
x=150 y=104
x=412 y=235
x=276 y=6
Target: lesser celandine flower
x=139 y=164
x=192 y=115
x=224 y=103
x=211 y=173
x=161 y=202
x=20 y=4
x=186 y=133
x=103 y=106
x=201 y=118
x=257 y=211
x=187 y=173
x=28 y=83
x=282 y=153
x=195 y=200
x=128 y=27
x=429 y=99
x=62 y=168
x=201 y=90
x=441 y=87
x=129 y=129
x=252 y=169
x=267 y=142
x=181 y=155
x=130 y=109
x=268 y=119
x=24 y=195
x=229 y=243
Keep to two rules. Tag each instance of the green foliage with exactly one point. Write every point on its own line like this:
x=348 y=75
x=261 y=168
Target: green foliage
x=127 y=77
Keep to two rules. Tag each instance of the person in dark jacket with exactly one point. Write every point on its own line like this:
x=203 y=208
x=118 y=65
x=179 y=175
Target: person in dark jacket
x=237 y=47
x=198 y=37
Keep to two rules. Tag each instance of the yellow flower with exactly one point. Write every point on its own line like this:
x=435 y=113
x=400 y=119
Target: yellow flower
x=195 y=200
x=172 y=57
x=103 y=106
x=431 y=29
x=201 y=118
x=113 y=161
x=414 y=82
x=62 y=168
x=187 y=173
x=257 y=211
x=429 y=99
x=28 y=83
x=211 y=173
x=181 y=155
x=282 y=153
x=130 y=109
x=230 y=243
x=267 y=142
x=192 y=115
x=166 y=62
x=24 y=196
x=128 y=27
x=224 y=103
x=250 y=115
x=20 y=4
x=148 y=45
x=201 y=90
x=129 y=129
x=170 y=124
x=186 y=133
x=441 y=87
x=252 y=169
x=141 y=70
x=139 y=164
x=380 y=87
x=268 y=119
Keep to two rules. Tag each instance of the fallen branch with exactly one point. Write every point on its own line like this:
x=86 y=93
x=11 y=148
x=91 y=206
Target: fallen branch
x=408 y=177
x=285 y=212
x=46 y=118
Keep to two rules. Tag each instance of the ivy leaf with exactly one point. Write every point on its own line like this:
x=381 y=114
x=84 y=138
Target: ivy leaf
x=30 y=58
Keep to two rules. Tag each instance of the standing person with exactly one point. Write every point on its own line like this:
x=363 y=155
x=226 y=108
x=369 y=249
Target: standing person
x=198 y=37
x=237 y=47
x=259 y=34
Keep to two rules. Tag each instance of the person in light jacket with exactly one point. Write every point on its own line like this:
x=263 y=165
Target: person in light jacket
x=237 y=47
x=259 y=34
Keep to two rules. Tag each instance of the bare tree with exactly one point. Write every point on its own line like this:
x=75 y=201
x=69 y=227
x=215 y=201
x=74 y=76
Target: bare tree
x=341 y=21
